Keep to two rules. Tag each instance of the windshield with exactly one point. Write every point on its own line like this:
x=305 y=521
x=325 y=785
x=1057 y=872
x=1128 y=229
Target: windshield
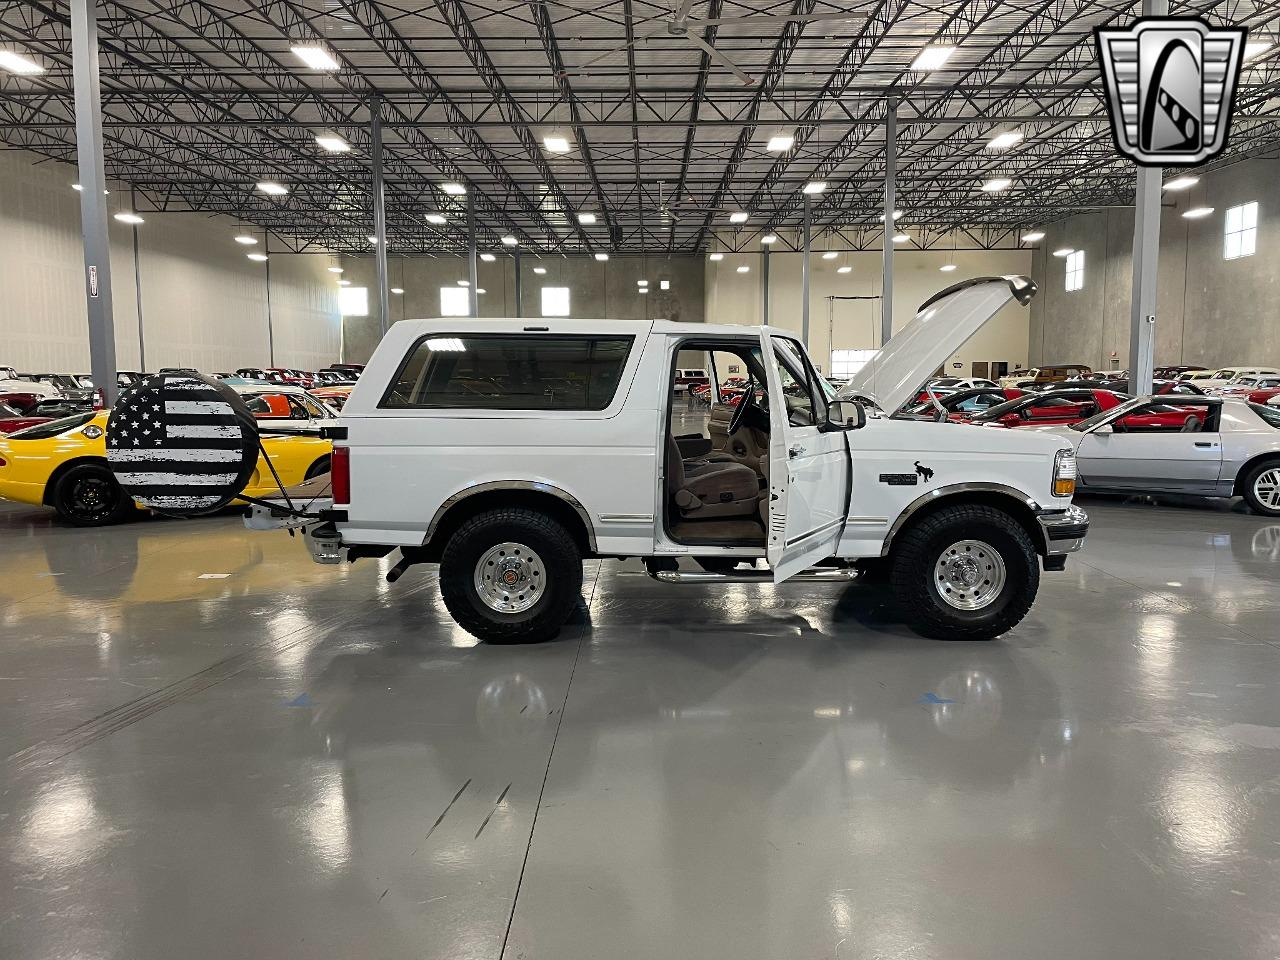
x=43 y=431
x=1037 y=400
x=1268 y=414
x=7 y=411
x=1090 y=422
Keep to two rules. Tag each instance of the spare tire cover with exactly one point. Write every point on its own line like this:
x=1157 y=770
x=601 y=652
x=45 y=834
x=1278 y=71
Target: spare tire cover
x=182 y=443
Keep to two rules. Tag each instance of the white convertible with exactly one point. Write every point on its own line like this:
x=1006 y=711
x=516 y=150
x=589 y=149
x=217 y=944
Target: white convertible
x=1230 y=449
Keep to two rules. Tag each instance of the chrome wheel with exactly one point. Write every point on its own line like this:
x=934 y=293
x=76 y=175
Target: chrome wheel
x=510 y=578
x=969 y=575
x=1266 y=487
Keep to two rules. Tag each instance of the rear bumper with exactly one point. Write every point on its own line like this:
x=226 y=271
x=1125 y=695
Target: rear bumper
x=1063 y=531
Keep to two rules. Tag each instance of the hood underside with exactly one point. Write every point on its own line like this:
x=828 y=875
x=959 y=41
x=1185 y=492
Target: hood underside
x=940 y=327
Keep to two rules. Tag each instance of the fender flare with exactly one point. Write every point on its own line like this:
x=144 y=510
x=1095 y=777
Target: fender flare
x=533 y=486
x=951 y=490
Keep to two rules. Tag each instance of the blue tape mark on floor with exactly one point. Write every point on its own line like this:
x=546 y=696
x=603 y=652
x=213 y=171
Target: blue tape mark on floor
x=932 y=697
x=304 y=700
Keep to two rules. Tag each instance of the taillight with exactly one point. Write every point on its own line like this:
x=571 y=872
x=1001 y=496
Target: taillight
x=340 y=474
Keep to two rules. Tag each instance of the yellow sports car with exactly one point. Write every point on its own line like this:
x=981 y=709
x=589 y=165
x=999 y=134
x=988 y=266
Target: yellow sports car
x=63 y=464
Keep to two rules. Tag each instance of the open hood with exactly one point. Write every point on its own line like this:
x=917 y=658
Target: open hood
x=940 y=327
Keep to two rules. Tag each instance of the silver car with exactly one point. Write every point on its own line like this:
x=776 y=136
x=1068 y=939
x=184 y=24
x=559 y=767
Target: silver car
x=1222 y=447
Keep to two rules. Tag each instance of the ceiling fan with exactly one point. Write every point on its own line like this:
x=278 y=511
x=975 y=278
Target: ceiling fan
x=679 y=22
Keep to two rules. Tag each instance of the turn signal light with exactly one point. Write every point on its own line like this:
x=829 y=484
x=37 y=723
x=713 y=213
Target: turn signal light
x=1064 y=488
x=340 y=474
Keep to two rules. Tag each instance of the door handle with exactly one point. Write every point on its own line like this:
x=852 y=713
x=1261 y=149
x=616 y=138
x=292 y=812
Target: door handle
x=796 y=451
x=1203 y=443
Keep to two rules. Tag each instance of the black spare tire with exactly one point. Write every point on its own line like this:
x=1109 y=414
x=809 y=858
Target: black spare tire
x=181 y=443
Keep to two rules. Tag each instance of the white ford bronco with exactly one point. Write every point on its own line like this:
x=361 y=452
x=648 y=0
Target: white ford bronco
x=509 y=450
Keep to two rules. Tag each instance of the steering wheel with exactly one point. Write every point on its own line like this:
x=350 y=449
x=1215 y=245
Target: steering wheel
x=748 y=399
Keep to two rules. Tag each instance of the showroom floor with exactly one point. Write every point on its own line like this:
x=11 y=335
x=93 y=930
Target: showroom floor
x=216 y=748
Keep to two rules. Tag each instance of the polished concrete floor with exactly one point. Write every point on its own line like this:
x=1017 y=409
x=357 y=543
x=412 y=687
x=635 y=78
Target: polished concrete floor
x=214 y=748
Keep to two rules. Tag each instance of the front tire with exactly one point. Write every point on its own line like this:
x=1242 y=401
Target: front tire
x=89 y=496
x=1262 y=488
x=965 y=573
x=511 y=575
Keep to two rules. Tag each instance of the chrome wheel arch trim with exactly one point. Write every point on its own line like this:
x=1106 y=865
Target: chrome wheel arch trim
x=535 y=486
x=953 y=489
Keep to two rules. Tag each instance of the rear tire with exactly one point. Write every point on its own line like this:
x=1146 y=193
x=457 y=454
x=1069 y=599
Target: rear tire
x=965 y=573
x=536 y=553
x=89 y=496
x=1262 y=488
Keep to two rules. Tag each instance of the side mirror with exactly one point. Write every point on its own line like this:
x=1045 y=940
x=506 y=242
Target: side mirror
x=1102 y=429
x=845 y=415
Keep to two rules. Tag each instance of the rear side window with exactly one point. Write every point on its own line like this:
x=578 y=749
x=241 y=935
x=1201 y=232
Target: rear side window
x=495 y=372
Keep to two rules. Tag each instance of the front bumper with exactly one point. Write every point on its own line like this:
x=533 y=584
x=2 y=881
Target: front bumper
x=1063 y=531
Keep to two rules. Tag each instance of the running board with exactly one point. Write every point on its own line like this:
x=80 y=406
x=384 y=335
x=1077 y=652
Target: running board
x=840 y=575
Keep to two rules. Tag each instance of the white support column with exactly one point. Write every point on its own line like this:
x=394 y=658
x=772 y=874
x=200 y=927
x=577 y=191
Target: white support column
x=890 y=177
x=804 y=274
x=93 y=206
x=379 y=214
x=473 y=291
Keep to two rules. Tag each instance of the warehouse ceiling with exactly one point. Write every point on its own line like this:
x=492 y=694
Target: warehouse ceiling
x=204 y=100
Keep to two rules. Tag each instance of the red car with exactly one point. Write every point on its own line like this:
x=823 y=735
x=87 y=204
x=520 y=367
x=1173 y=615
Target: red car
x=1065 y=407
x=963 y=403
x=11 y=419
x=22 y=402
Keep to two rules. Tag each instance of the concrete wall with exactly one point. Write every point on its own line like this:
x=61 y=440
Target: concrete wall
x=596 y=289
x=1209 y=310
x=842 y=324
x=203 y=303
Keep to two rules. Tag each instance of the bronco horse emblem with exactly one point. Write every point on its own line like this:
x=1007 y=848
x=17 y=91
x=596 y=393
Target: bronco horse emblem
x=925 y=473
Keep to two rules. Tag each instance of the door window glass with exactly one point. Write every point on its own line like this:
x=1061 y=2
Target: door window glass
x=797 y=391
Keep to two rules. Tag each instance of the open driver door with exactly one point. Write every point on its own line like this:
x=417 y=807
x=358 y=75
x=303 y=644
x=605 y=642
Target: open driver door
x=809 y=461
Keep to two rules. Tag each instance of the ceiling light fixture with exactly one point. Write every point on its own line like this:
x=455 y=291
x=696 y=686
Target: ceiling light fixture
x=124 y=216
x=1003 y=141
x=464 y=283
x=453 y=189
x=510 y=241
x=1033 y=236
x=488 y=257
x=1196 y=213
x=932 y=57
x=586 y=218
x=642 y=283
x=1256 y=48
x=664 y=284
x=1064 y=251
x=272 y=189
x=335 y=269
x=257 y=257
x=246 y=240
x=15 y=62
x=947 y=267
x=744 y=269
x=716 y=257
x=316 y=56
x=372 y=239
x=769 y=238
x=539 y=270
x=602 y=257
x=897 y=215
x=397 y=290
x=556 y=143
x=1181 y=183
x=845 y=269
x=814 y=187
x=780 y=143
x=830 y=255
x=344 y=283
x=996 y=184
x=739 y=217
x=332 y=143
x=900 y=238
x=435 y=218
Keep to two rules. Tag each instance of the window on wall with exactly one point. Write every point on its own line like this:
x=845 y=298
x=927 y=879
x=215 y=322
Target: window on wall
x=1075 y=270
x=555 y=301
x=353 y=301
x=845 y=363
x=1241 y=236
x=454 y=302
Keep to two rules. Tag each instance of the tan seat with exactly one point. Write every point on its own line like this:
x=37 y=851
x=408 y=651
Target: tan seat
x=706 y=489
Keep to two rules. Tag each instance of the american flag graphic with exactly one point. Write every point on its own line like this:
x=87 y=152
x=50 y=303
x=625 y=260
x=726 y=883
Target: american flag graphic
x=182 y=443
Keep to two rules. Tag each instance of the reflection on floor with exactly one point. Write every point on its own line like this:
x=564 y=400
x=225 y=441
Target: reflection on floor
x=295 y=760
